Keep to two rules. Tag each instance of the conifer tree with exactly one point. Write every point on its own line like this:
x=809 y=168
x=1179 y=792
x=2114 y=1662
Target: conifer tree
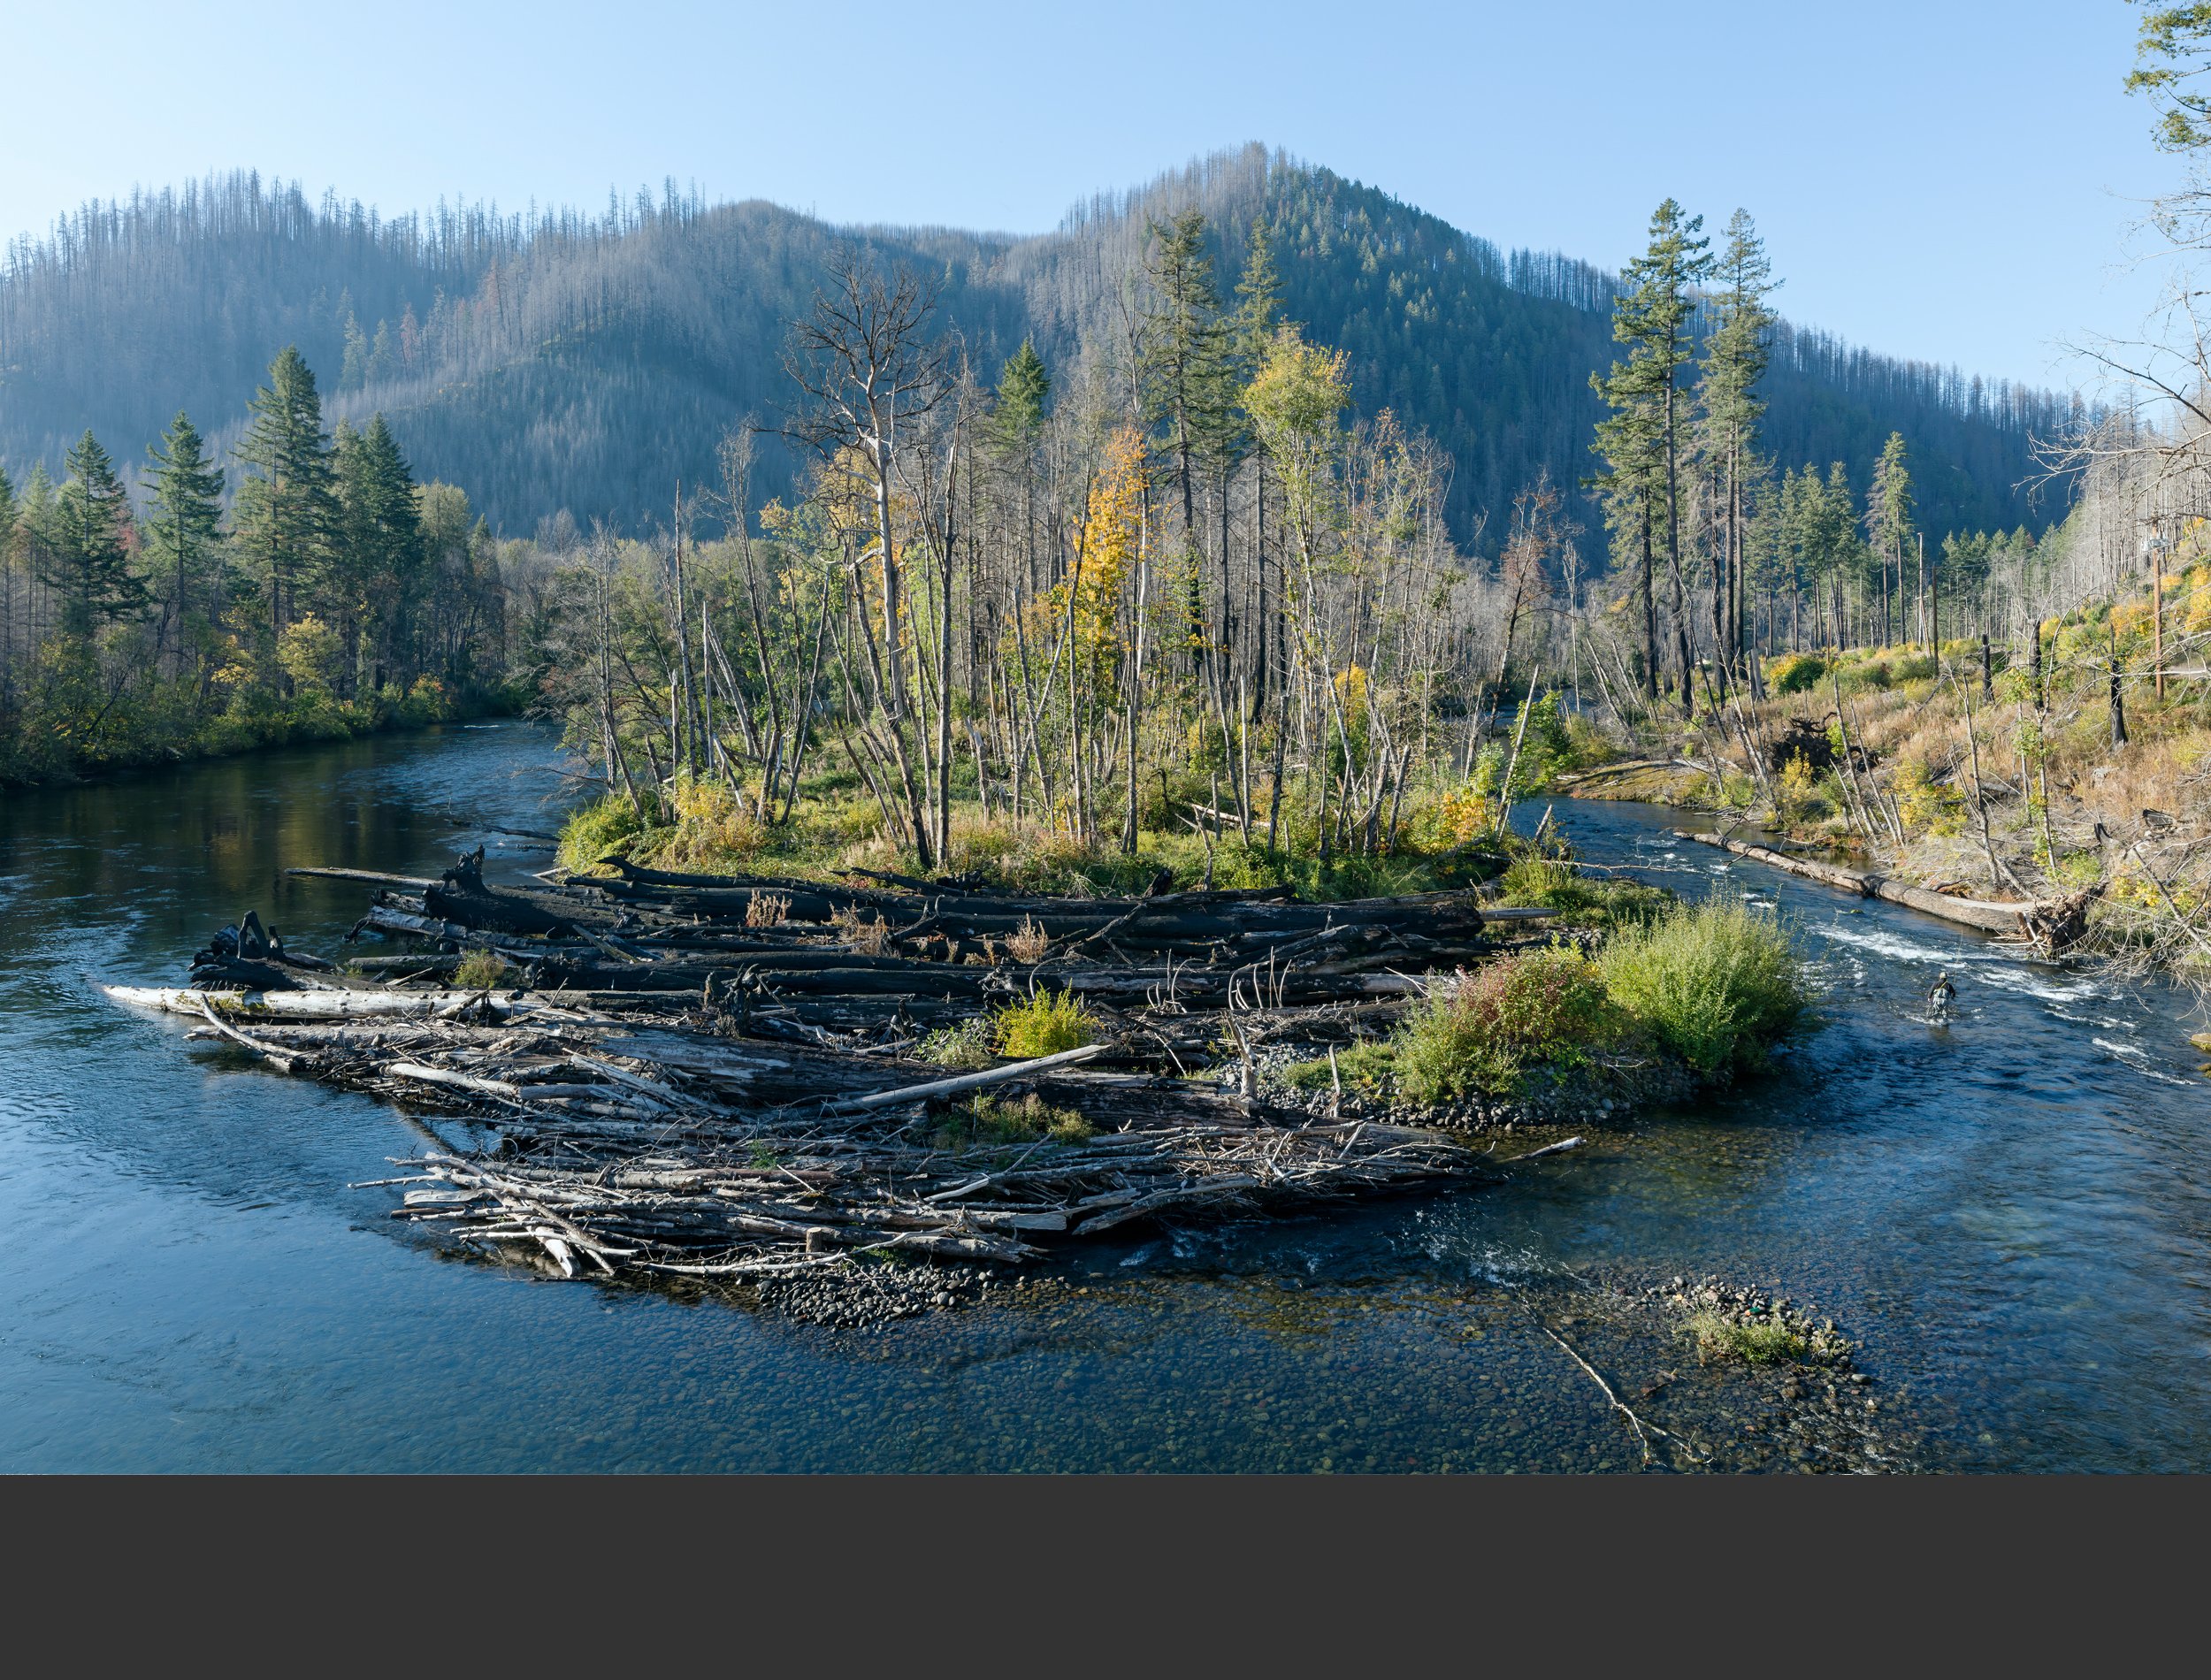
x=9 y=511
x=1889 y=525
x=376 y=558
x=1024 y=387
x=1736 y=352
x=1251 y=333
x=285 y=506
x=187 y=509
x=1186 y=378
x=353 y=370
x=88 y=564
x=1643 y=442
x=1017 y=424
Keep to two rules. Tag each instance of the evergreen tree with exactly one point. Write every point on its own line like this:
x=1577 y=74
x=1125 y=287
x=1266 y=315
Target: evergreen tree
x=1660 y=282
x=1736 y=351
x=1889 y=513
x=1025 y=388
x=285 y=506
x=377 y=559
x=1251 y=333
x=1185 y=375
x=10 y=510
x=2172 y=50
x=353 y=370
x=1017 y=425
x=88 y=564
x=188 y=510
x=1259 y=299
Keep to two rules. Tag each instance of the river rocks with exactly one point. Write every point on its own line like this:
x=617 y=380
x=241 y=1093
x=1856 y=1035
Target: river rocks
x=853 y=1295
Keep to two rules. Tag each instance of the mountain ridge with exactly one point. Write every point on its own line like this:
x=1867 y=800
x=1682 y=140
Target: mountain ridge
x=584 y=361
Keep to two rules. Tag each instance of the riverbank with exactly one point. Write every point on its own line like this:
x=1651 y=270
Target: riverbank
x=318 y=720
x=2066 y=791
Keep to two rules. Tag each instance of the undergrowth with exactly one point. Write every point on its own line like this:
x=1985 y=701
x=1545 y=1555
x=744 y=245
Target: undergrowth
x=1043 y=1025
x=992 y=1120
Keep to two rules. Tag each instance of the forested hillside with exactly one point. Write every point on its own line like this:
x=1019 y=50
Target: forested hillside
x=567 y=361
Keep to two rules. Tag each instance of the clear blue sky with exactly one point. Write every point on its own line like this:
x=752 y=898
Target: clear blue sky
x=1950 y=179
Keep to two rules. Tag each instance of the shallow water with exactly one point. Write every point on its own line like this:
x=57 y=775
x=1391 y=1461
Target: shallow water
x=2010 y=1212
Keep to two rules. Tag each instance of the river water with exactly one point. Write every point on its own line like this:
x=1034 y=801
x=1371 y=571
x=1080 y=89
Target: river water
x=2009 y=1213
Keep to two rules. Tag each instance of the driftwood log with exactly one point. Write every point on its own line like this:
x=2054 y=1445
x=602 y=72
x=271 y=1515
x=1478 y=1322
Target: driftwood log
x=704 y=1075
x=2052 y=923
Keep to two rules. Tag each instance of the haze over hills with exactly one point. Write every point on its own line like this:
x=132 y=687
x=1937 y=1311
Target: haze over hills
x=565 y=359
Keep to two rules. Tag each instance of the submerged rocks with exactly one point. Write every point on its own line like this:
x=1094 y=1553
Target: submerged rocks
x=851 y=1295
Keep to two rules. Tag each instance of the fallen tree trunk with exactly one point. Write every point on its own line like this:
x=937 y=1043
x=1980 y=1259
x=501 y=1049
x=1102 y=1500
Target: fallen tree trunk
x=2052 y=923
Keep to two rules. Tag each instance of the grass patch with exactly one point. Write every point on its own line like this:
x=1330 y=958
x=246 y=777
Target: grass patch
x=1713 y=983
x=989 y=1121
x=1758 y=1341
x=1370 y=1067
x=1043 y=1025
x=1581 y=901
x=971 y=1045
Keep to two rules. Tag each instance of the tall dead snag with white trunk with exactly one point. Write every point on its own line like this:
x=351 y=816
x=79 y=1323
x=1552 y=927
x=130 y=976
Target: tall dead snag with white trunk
x=865 y=365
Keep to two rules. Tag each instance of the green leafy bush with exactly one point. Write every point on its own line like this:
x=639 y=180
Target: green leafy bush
x=1505 y=1018
x=988 y=1120
x=594 y=830
x=1043 y=1025
x=1714 y=983
x=481 y=970
x=1795 y=673
x=970 y=1045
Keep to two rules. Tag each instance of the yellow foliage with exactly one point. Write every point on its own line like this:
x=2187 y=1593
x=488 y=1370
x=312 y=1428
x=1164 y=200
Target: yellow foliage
x=1794 y=789
x=1465 y=814
x=1926 y=805
x=309 y=651
x=1350 y=691
x=1111 y=539
x=710 y=827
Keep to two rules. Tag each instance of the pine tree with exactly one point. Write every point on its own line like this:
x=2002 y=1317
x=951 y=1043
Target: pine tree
x=1251 y=333
x=1025 y=387
x=1017 y=425
x=376 y=556
x=1889 y=513
x=88 y=564
x=353 y=371
x=11 y=511
x=285 y=506
x=187 y=509
x=1185 y=375
x=1642 y=442
x=1735 y=356
x=1259 y=299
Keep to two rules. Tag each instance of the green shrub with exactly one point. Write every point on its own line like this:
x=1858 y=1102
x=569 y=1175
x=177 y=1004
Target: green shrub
x=594 y=830
x=1044 y=1024
x=1795 y=673
x=481 y=970
x=1714 y=983
x=988 y=1120
x=1504 y=1019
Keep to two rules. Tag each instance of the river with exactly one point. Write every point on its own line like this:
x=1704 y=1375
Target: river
x=2009 y=1213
